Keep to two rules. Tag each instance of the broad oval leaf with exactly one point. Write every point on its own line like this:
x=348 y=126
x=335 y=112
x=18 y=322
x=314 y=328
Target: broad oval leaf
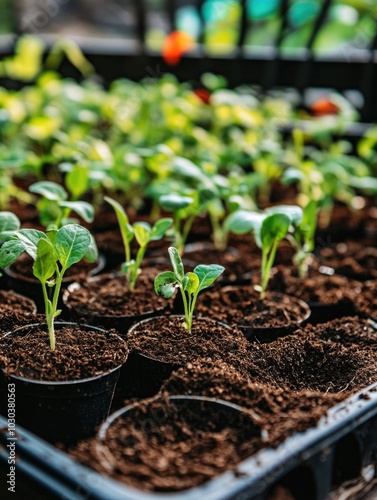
x=91 y=254
x=160 y=227
x=174 y=202
x=274 y=228
x=9 y=252
x=50 y=190
x=294 y=212
x=186 y=168
x=142 y=231
x=72 y=242
x=30 y=238
x=165 y=284
x=244 y=221
x=176 y=263
x=191 y=283
x=82 y=208
x=207 y=274
x=77 y=181
x=9 y=222
x=45 y=263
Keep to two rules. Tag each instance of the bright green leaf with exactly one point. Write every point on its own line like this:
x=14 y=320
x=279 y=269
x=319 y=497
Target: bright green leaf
x=50 y=190
x=190 y=283
x=9 y=252
x=176 y=263
x=160 y=227
x=142 y=231
x=72 y=242
x=207 y=274
x=165 y=284
x=45 y=264
x=174 y=202
x=82 y=208
x=274 y=228
x=30 y=239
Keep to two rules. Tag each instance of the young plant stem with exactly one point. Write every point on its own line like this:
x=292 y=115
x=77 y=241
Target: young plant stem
x=186 y=229
x=51 y=306
x=267 y=261
x=135 y=269
x=188 y=313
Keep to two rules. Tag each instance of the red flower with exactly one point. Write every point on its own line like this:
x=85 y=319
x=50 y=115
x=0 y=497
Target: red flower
x=324 y=106
x=203 y=95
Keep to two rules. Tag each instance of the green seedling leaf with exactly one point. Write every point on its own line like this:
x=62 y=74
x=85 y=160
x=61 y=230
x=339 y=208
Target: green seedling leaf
x=173 y=202
x=9 y=252
x=207 y=274
x=91 y=254
x=45 y=263
x=165 y=284
x=244 y=221
x=123 y=221
x=160 y=228
x=190 y=283
x=294 y=212
x=127 y=266
x=51 y=236
x=186 y=168
x=275 y=227
x=142 y=231
x=82 y=208
x=176 y=263
x=9 y=222
x=50 y=190
x=30 y=238
x=77 y=181
x=72 y=242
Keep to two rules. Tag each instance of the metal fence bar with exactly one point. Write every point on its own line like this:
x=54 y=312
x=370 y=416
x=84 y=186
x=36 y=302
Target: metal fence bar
x=141 y=26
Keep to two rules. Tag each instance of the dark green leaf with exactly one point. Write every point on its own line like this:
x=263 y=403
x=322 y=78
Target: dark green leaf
x=9 y=222
x=72 y=242
x=244 y=221
x=165 y=284
x=174 y=202
x=30 y=238
x=274 y=228
x=207 y=274
x=294 y=212
x=50 y=190
x=176 y=263
x=9 y=252
x=160 y=227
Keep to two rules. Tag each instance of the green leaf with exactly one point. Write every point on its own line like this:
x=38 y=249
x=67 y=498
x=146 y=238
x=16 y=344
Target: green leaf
x=72 y=242
x=165 y=284
x=173 y=202
x=274 y=228
x=9 y=252
x=186 y=168
x=9 y=222
x=142 y=231
x=127 y=266
x=82 y=208
x=207 y=274
x=77 y=181
x=50 y=190
x=294 y=212
x=123 y=221
x=244 y=221
x=160 y=227
x=190 y=283
x=30 y=239
x=91 y=254
x=176 y=263
x=45 y=263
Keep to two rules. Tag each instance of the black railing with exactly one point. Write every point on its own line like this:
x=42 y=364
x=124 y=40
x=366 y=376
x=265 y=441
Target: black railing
x=353 y=68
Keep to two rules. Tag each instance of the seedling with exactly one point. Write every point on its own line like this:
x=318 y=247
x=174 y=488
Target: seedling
x=143 y=232
x=190 y=283
x=55 y=208
x=268 y=231
x=53 y=253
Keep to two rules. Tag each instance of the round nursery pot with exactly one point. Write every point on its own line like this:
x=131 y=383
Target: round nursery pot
x=105 y=301
x=160 y=345
x=28 y=285
x=176 y=443
x=260 y=320
x=69 y=410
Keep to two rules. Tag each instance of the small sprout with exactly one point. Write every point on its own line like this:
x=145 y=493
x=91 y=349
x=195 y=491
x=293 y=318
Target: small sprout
x=53 y=253
x=190 y=283
x=143 y=232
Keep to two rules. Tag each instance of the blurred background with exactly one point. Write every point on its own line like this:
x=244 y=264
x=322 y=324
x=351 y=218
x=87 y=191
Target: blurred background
x=345 y=24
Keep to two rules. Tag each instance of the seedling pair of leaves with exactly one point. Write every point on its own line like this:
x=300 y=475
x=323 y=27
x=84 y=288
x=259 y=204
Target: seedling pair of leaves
x=53 y=253
x=272 y=226
x=54 y=207
x=143 y=232
x=190 y=283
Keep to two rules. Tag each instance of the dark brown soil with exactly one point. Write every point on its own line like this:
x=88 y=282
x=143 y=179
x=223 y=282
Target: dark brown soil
x=15 y=310
x=349 y=331
x=354 y=259
x=79 y=353
x=308 y=364
x=242 y=305
x=317 y=287
x=166 y=339
x=108 y=295
x=366 y=301
x=183 y=447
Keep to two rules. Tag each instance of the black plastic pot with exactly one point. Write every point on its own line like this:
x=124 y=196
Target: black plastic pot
x=65 y=411
x=31 y=287
x=321 y=313
x=309 y=465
